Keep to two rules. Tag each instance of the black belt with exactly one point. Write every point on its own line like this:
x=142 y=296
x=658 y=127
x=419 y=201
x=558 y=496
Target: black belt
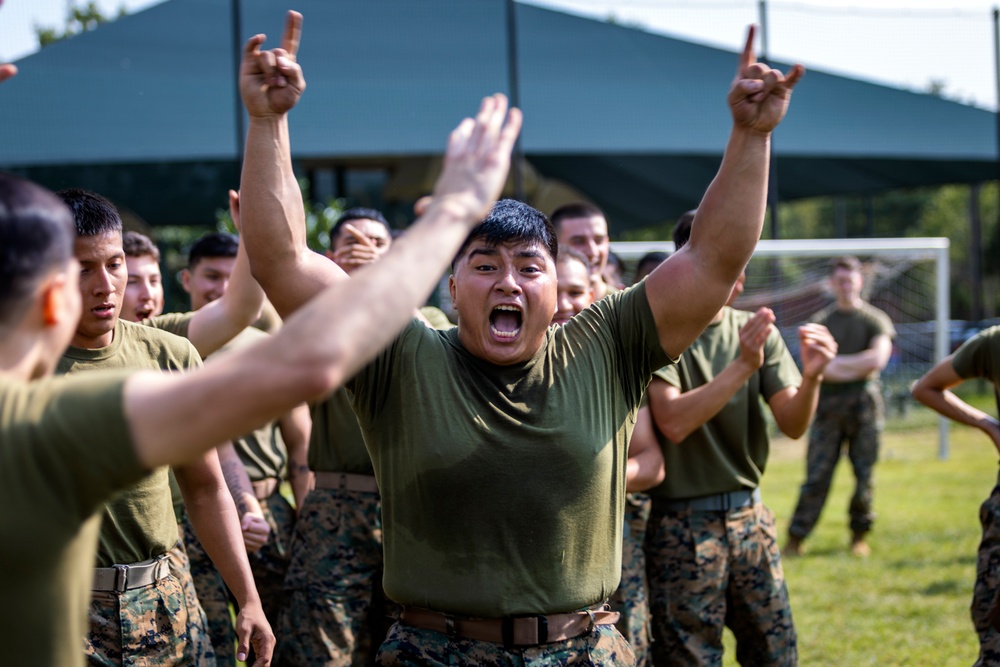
x=511 y=630
x=346 y=481
x=127 y=577
x=719 y=502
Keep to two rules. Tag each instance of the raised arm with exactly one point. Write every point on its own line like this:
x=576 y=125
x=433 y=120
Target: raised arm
x=273 y=214
x=933 y=391
x=688 y=289
x=793 y=407
x=220 y=321
x=336 y=334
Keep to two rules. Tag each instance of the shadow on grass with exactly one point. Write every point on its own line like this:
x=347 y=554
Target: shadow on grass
x=947 y=587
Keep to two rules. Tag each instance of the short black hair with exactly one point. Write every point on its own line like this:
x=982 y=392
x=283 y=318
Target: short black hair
x=682 y=229
x=36 y=236
x=139 y=245
x=216 y=244
x=93 y=214
x=650 y=261
x=358 y=213
x=577 y=209
x=511 y=221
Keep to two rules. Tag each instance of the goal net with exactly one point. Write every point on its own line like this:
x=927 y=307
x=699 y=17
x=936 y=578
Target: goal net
x=905 y=277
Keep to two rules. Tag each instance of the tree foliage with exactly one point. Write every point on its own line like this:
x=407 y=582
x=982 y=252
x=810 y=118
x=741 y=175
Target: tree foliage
x=78 y=19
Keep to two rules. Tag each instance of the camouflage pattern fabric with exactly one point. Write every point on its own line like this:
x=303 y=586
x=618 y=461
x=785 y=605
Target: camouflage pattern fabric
x=335 y=613
x=213 y=596
x=268 y=566
x=406 y=645
x=709 y=570
x=631 y=600
x=984 y=595
x=154 y=626
x=854 y=416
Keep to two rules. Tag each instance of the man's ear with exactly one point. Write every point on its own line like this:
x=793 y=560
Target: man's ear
x=452 y=291
x=53 y=299
x=186 y=280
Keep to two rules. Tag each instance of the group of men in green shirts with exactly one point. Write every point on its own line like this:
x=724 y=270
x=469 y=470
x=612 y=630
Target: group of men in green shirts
x=458 y=435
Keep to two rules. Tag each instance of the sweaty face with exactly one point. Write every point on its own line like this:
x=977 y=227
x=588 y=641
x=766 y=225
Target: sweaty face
x=208 y=280
x=505 y=297
x=102 y=286
x=144 y=290
x=846 y=285
x=589 y=236
x=575 y=292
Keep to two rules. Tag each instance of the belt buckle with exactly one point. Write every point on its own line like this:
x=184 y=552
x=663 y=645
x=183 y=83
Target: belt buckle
x=121 y=577
x=540 y=624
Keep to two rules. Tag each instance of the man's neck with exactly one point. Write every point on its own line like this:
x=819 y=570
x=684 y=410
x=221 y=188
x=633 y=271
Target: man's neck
x=94 y=342
x=848 y=304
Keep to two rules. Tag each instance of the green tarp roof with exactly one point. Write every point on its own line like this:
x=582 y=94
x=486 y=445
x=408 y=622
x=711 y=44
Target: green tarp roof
x=637 y=121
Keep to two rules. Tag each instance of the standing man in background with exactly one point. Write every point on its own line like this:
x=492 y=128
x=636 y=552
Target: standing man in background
x=582 y=226
x=850 y=408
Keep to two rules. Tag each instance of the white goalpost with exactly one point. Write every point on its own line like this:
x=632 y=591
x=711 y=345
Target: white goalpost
x=908 y=278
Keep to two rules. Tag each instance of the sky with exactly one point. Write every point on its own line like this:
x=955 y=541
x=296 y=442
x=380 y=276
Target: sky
x=912 y=44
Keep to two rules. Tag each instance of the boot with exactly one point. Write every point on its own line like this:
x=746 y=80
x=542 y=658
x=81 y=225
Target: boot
x=859 y=547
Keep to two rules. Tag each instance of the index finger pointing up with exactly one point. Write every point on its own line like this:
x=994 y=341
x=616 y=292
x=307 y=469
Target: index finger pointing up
x=293 y=32
x=748 y=56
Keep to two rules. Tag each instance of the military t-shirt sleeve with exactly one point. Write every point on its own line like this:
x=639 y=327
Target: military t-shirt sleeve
x=629 y=332
x=779 y=369
x=979 y=356
x=74 y=440
x=175 y=323
x=670 y=374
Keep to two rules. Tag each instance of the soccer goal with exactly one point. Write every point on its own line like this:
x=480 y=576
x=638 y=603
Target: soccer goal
x=908 y=278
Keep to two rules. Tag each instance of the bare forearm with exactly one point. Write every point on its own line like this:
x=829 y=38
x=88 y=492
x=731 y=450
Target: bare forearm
x=794 y=415
x=852 y=367
x=951 y=406
x=237 y=480
x=295 y=431
x=688 y=411
x=644 y=471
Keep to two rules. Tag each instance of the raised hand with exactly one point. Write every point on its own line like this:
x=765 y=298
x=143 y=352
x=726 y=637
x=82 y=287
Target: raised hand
x=355 y=255
x=753 y=335
x=271 y=81
x=477 y=159
x=816 y=349
x=6 y=72
x=759 y=95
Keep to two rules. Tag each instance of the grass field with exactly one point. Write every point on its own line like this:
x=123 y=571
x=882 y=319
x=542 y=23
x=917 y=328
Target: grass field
x=908 y=604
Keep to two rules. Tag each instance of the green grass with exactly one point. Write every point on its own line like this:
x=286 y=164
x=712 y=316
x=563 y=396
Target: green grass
x=908 y=604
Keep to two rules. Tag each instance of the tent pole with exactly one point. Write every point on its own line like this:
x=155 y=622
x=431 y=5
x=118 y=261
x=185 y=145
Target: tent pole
x=237 y=58
x=514 y=93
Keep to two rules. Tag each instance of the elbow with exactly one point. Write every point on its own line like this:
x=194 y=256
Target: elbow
x=794 y=431
x=673 y=429
x=921 y=392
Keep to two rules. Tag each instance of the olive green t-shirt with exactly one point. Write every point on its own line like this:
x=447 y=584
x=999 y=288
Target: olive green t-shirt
x=64 y=450
x=503 y=487
x=139 y=523
x=980 y=357
x=262 y=452
x=335 y=442
x=729 y=451
x=854 y=331
x=175 y=323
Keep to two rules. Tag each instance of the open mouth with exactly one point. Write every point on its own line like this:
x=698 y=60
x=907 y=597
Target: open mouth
x=143 y=313
x=505 y=321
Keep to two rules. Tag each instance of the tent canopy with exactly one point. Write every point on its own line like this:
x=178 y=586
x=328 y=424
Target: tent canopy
x=146 y=111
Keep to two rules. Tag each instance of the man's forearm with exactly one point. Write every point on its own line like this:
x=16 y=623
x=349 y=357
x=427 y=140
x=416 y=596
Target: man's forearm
x=216 y=522
x=851 y=367
x=683 y=414
x=794 y=415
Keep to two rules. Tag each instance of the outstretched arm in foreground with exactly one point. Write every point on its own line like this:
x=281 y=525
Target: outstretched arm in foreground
x=933 y=391
x=686 y=291
x=338 y=332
